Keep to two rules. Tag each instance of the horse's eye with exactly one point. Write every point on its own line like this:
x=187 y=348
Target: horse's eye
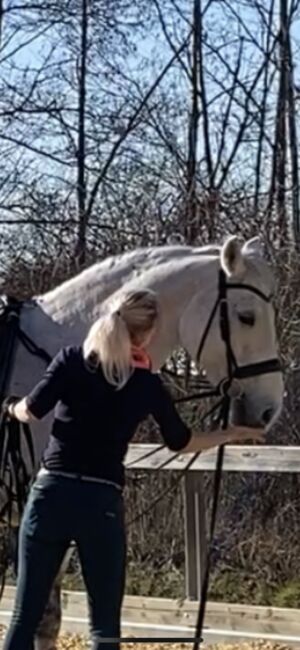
x=247 y=318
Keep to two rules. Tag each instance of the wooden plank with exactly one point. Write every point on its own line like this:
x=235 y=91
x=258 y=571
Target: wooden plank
x=237 y=458
x=218 y=615
x=163 y=611
x=195 y=534
x=138 y=457
x=253 y=459
x=154 y=459
x=137 y=451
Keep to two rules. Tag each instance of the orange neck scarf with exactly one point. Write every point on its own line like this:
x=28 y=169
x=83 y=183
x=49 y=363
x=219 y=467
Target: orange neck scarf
x=140 y=358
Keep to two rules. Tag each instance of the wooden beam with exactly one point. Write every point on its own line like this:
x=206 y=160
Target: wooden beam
x=140 y=610
x=195 y=534
x=237 y=458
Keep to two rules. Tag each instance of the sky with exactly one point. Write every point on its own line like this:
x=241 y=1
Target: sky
x=220 y=26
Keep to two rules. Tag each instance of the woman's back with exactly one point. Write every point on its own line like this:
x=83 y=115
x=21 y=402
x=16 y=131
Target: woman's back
x=94 y=422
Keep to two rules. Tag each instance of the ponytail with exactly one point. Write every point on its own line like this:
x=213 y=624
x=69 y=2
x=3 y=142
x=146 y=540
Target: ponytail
x=108 y=342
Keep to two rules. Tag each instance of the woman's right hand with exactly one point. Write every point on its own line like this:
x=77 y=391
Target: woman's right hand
x=244 y=434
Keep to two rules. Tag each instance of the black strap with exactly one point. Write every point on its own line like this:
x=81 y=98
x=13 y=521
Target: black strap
x=9 y=324
x=216 y=493
x=224 y=418
x=34 y=349
x=15 y=477
x=251 y=288
x=225 y=325
x=256 y=369
x=206 y=331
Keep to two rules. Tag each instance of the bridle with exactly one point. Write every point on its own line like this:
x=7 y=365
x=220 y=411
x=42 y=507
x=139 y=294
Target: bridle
x=234 y=371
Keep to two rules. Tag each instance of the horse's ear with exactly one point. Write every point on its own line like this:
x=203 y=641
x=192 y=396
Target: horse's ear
x=254 y=246
x=232 y=258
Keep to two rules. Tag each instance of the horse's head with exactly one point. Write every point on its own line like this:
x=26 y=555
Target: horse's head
x=252 y=330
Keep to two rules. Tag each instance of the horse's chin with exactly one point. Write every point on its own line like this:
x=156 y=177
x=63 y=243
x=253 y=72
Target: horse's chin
x=242 y=416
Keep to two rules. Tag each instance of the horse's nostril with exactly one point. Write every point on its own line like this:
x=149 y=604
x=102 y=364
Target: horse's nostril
x=267 y=415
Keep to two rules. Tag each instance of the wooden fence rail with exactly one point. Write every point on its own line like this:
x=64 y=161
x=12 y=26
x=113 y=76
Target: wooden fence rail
x=162 y=617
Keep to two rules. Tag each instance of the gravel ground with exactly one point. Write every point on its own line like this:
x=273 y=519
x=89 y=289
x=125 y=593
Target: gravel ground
x=79 y=642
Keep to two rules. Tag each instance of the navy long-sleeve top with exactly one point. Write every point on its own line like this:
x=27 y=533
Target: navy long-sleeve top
x=94 y=422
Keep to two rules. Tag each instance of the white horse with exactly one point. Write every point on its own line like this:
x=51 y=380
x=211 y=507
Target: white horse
x=186 y=282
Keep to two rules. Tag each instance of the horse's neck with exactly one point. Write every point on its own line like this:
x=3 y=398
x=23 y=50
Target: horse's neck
x=64 y=315
x=90 y=288
x=62 y=318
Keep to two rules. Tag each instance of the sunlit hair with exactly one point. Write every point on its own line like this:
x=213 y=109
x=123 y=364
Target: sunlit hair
x=111 y=337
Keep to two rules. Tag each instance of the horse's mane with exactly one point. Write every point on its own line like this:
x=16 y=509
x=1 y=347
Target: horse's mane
x=131 y=261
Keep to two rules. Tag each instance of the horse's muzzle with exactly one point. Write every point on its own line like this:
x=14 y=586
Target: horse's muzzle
x=245 y=413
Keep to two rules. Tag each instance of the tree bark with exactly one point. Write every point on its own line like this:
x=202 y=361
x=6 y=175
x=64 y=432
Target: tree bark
x=80 y=250
x=293 y=137
x=191 y=222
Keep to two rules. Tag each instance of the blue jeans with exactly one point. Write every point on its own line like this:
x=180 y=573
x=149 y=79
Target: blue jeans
x=60 y=510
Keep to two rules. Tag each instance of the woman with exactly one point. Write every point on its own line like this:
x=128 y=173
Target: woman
x=101 y=392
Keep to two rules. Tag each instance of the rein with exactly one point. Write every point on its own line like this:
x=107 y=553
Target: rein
x=15 y=479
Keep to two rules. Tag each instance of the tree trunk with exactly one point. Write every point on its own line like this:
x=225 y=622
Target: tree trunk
x=281 y=125
x=191 y=221
x=1 y=19
x=293 y=147
x=80 y=250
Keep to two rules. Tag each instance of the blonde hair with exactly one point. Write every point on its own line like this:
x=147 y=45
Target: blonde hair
x=110 y=338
